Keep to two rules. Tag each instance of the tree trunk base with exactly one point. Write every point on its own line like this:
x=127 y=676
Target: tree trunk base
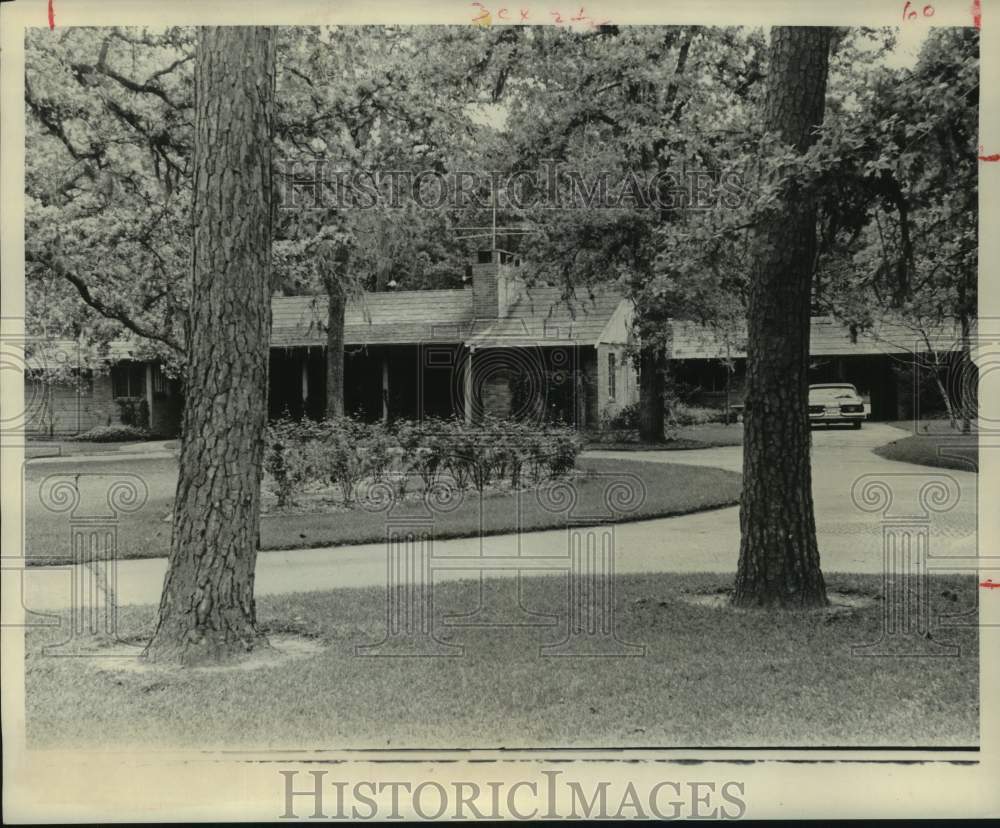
x=768 y=597
x=206 y=647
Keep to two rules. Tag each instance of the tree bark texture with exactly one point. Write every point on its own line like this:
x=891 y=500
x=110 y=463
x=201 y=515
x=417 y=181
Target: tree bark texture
x=651 y=407
x=779 y=558
x=207 y=610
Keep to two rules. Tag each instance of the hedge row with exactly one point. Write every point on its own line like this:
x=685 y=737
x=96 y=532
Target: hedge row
x=350 y=454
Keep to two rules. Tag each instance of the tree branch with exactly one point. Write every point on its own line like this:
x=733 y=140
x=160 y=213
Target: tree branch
x=102 y=307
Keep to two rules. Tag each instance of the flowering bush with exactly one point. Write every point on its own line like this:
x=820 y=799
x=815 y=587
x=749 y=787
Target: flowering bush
x=349 y=454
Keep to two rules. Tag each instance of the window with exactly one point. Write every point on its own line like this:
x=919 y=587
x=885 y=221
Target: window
x=128 y=379
x=160 y=387
x=612 y=376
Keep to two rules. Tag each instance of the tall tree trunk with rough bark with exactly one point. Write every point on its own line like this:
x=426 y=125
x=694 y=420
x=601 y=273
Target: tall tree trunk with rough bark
x=207 y=610
x=779 y=557
x=651 y=411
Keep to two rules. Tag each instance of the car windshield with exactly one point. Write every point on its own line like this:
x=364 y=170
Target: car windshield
x=840 y=392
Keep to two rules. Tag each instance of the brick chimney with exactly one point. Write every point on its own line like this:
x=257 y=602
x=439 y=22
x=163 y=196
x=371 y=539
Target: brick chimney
x=496 y=284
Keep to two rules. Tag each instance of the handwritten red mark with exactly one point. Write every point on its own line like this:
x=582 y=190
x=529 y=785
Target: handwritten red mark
x=977 y=13
x=994 y=157
x=988 y=584
x=52 y=16
x=483 y=19
x=910 y=13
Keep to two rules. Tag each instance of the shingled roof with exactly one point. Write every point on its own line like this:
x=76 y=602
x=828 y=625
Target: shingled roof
x=541 y=313
x=827 y=337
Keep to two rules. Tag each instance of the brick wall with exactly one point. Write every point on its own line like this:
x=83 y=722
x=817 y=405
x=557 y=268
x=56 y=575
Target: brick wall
x=68 y=408
x=485 y=299
x=495 y=287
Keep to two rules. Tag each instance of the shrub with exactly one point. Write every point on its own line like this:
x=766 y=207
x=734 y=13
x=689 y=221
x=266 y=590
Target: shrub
x=287 y=458
x=626 y=419
x=347 y=453
x=685 y=415
x=112 y=434
x=134 y=411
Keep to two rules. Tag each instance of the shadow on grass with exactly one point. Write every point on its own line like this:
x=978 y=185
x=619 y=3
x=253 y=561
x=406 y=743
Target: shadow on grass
x=709 y=678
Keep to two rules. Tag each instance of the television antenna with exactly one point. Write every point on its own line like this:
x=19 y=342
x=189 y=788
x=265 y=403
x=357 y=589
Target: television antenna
x=492 y=231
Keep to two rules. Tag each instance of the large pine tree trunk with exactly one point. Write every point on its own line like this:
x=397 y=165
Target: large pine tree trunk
x=207 y=608
x=651 y=414
x=779 y=558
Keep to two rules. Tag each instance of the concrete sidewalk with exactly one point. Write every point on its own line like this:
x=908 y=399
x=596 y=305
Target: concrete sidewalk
x=150 y=450
x=850 y=537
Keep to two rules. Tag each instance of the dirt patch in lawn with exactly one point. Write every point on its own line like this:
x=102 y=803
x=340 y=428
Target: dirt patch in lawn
x=126 y=656
x=840 y=602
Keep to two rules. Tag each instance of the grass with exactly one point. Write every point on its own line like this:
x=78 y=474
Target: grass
x=707 y=435
x=710 y=677
x=669 y=490
x=927 y=426
x=933 y=443
x=56 y=447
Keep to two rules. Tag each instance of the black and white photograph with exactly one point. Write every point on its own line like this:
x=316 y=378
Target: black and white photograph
x=579 y=409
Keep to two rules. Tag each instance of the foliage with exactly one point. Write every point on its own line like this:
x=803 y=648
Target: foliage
x=624 y=419
x=107 y=184
x=679 y=414
x=112 y=434
x=108 y=177
x=134 y=411
x=354 y=455
x=899 y=174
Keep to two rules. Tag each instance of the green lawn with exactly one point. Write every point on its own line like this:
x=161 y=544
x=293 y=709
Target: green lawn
x=669 y=490
x=710 y=677
x=707 y=435
x=935 y=426
x=935 y=443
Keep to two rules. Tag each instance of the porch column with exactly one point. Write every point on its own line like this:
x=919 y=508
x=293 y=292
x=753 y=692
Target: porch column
x=385 y=388
x=149 y=392
x=467 y=386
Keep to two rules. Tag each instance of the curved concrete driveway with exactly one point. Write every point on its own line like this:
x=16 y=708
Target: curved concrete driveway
x=850 y=538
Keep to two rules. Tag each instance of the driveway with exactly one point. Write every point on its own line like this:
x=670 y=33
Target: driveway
x=850 y=538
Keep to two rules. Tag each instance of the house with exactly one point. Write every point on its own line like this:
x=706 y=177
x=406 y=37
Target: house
x=70 y=388
x=496 y=347
x=880 y=362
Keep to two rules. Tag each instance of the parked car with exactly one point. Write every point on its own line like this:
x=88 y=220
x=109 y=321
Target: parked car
x=836 y=402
